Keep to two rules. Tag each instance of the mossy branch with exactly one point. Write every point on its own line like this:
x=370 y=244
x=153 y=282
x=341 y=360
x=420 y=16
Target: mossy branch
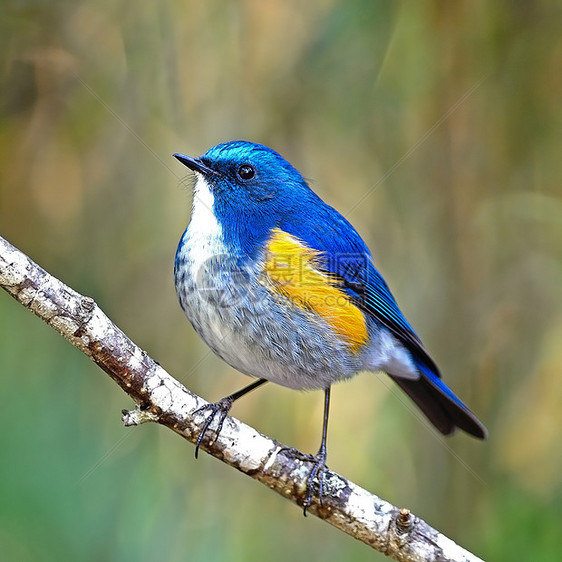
x=160 y=398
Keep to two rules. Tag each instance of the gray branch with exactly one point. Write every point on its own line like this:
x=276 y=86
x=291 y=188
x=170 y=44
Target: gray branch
x=160 y=398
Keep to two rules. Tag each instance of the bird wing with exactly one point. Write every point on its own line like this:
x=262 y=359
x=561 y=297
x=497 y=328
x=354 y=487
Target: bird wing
x=341 y=253
x=344 y=255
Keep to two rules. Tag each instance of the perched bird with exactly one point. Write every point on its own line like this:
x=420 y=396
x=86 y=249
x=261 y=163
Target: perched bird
x=283 y=288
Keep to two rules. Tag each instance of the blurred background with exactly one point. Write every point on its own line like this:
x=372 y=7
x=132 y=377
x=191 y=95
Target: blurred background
x=434 y=127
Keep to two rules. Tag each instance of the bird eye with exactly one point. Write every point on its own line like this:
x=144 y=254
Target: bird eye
x=246 y=172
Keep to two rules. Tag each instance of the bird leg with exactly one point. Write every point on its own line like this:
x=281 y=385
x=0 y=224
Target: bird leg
x=315 y=478
x=221 y=409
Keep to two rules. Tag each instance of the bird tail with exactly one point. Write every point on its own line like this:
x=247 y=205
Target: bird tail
x=440 y=405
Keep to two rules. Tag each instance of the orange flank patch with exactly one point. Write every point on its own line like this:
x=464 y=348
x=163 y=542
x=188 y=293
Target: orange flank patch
x=291 y=269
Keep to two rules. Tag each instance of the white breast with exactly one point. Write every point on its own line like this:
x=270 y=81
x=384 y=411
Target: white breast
x=251 y=330
x=195 y=281
x=204 y=231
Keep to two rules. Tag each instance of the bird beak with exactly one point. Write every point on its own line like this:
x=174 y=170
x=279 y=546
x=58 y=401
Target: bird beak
x=195 y=164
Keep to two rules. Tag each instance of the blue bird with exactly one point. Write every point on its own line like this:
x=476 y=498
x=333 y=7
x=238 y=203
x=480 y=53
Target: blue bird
x=283 y=288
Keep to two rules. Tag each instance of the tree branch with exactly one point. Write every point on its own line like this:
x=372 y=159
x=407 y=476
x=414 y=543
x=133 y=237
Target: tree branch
x=160 y=398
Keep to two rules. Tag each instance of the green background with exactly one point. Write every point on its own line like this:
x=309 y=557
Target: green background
x=435 y=127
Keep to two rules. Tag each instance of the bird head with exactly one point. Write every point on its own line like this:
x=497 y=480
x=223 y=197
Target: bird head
x=252 y=188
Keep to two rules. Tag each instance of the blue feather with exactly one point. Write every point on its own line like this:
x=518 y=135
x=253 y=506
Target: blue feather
x=346 y=256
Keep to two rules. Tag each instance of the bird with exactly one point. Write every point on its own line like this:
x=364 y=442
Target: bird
x=284 y=289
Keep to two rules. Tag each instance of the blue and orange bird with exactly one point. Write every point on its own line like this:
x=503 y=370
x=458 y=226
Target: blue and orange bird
x=283 y=288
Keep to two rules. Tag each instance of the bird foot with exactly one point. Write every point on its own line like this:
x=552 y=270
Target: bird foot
x=220 y=409
x=315 y=480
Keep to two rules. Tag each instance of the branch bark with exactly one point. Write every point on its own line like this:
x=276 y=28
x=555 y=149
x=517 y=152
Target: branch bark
x=160 y=398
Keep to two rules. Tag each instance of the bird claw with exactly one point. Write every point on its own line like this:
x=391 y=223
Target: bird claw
x=315 y=480
x=296 y=453
x=220 y=408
